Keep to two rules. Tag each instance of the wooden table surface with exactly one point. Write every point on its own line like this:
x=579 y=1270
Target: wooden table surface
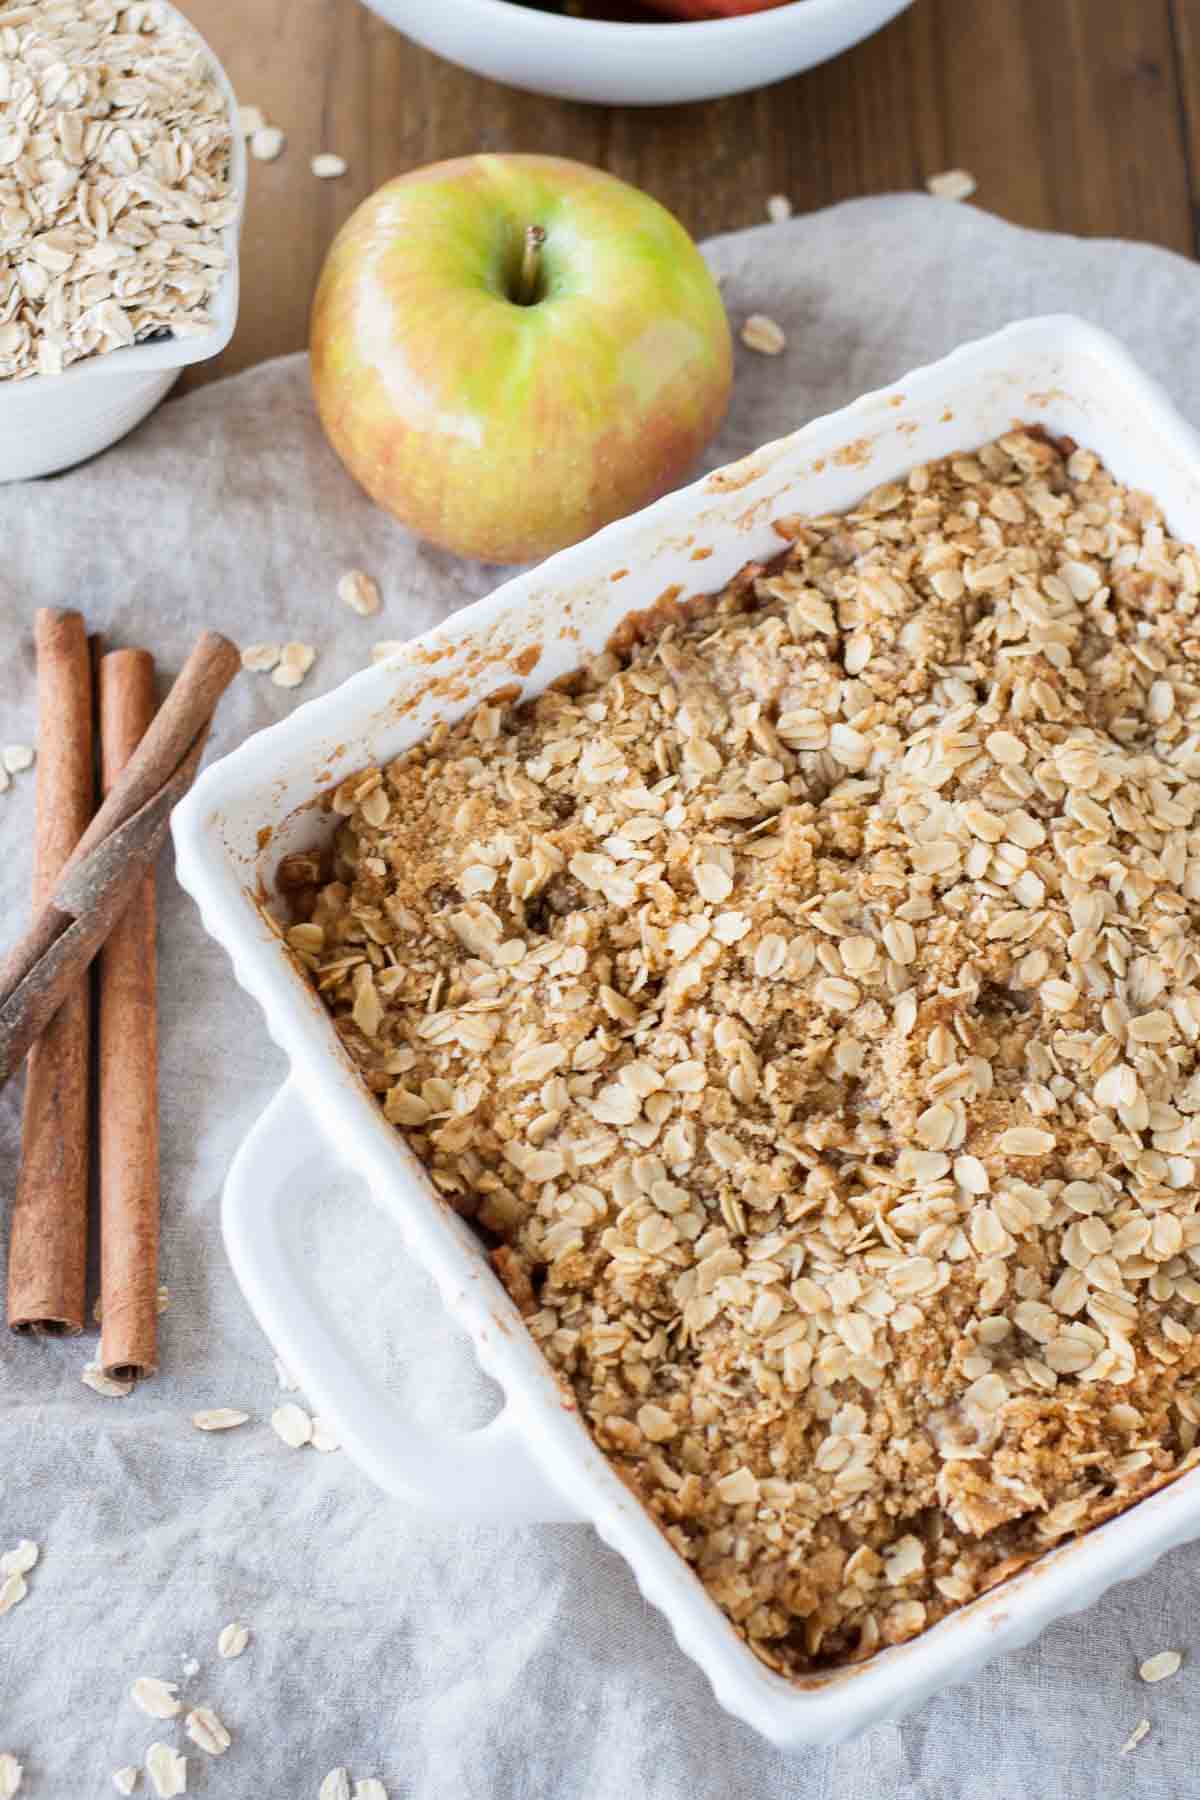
x=1072 y=115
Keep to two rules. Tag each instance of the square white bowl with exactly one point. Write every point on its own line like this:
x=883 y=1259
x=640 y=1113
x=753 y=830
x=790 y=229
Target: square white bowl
x=49 y=422
x=537 y=1460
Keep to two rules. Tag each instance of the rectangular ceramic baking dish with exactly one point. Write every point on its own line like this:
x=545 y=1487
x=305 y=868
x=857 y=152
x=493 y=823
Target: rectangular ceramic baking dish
x=535 y=1460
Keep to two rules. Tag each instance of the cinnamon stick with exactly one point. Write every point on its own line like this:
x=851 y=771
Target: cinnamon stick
x=99 y=879
x=48 y=1247
x=93 y=897
x=127 y=1038
x=185 y=712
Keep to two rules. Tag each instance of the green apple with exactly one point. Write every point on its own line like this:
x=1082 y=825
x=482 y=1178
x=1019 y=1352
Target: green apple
x=511 y=351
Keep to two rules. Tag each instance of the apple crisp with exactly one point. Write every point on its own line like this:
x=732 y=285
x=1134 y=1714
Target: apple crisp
x=803 y=1001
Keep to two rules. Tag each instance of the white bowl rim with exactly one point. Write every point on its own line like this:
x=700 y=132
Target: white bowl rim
x=536 y=24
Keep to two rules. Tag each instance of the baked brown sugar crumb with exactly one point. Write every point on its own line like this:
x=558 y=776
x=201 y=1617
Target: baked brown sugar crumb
x=807 y=1005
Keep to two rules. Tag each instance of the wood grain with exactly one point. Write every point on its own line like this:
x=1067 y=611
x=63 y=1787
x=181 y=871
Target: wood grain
x=1073 y=115
x=1185 y=21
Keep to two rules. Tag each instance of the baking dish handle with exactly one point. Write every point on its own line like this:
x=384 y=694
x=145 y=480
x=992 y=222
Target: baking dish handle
x=487 y=1475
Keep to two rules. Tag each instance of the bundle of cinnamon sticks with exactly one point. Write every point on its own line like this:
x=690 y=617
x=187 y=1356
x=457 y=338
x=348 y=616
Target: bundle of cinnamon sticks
x=94 y=898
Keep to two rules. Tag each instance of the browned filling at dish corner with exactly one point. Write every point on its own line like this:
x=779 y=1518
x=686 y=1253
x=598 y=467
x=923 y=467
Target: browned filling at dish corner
x=805 y=1005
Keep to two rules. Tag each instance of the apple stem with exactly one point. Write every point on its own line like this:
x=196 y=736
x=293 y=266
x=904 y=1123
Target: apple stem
x=531 y=257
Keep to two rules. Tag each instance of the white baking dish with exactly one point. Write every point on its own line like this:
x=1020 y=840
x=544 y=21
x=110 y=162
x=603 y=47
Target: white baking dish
x=536 y=1461
x=50 y=422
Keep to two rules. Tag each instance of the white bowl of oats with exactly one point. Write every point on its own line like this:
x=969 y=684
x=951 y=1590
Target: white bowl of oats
x=773 y=1019
x=104 y=299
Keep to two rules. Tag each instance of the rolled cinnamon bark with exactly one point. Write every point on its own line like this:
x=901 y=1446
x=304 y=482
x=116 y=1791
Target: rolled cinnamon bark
x=183 y=716
x=127 y=1062
x=47 y=1262
x=75 y=918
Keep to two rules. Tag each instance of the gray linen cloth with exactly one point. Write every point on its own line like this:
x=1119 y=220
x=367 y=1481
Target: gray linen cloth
x=453 y=1663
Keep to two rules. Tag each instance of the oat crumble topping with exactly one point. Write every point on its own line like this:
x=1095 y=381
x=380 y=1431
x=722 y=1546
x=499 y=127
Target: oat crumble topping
x=804 y=1002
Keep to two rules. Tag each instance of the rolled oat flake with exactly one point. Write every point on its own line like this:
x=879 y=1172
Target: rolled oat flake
x=1135 y=1737
x=20 y=1560
x=159 y=1699
x=233 y=1640
x=167 y=1770
x=13 y=1590
x=219 y=1418
x=205 y=1729
x=291 y=1423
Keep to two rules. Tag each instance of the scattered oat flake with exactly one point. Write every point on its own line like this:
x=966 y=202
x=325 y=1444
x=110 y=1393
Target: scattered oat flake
x=126 y=1779
x=295 y=661
x=267 y=143
x=219 y=1418
x=324 y=1437
x=167 y=1770
x=18 y=757
x=206 y=1730
x=952 y=184
x=336 y=1786
x=250 y=119
x=327 y=166
x=370 y=1788
x=10 y=1775
x=233 y=1639
x=157 y=1698
x=291 y=1423
x=1160 y=1667
x=385 y=649
x=359 y=592
x=13 y=1590
x=260 y=657
x=764 y=335
x=93 y=1376
x=1135 y=1737
x=20 y=1560
x=779 y=208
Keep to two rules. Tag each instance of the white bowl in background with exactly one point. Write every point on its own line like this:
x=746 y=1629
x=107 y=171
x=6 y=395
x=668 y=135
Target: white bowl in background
x=536 y=1460
x=49 y=422
x=635 y=65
